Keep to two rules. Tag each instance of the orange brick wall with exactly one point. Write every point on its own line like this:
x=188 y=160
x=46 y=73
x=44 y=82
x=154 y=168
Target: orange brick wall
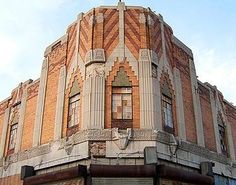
x=207 y=118
x=11 y=180
x=57 y=58
x=28 y=127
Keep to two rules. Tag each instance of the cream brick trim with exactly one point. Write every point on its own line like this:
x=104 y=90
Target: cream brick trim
x=214 y=116
x=196 y=105
x=93 y=104
x=4 y=131
x=21 y=120
x=40 y=104
x=147 y=111
x=220 y=108
x=182 y=45
x=60 y=104
x=63 y=39
x=179 y=105
x=121 y=8
x=113 y=57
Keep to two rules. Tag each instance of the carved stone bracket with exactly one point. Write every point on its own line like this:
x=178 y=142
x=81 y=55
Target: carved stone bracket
x=94 y=56
x=122 y=139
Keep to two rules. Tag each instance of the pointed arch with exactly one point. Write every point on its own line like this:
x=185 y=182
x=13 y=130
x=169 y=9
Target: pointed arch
x=122 y=80
x=73 y=97
x=168 y=104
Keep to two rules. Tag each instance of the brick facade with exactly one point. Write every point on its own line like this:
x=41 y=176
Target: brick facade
x=93 y=50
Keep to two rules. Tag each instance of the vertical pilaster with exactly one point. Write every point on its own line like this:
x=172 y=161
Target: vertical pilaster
x=94 y=91
x=87 y=88
x=146 y=90
x=94 y=102
x=21 y=121
x=40 y=104
x=179 y=105
x=163 y=40
x=215 y=124
x=4 y=131
x=60 y=103
x=196 y=105
x=121 y=8
x=230 y=141
x=98 y=103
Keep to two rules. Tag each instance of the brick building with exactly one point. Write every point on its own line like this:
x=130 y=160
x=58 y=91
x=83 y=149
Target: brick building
x=118 y=96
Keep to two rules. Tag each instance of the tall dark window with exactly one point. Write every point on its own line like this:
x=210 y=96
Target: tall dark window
x=222 y=134
x=74 y=108
x=167 y=110
x=73 y=118
x=12 y=137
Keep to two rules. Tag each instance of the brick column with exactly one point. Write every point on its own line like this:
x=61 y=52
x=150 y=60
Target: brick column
x=215 y=124
x=4 y=131
x=60 y=103
x=94 y=91
x=40 y=104
x=196 y=105
x=121 y=46
x=179 y=105
x=146 y=90
x=21 y=120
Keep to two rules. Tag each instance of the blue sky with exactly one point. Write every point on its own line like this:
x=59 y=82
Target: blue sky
x=208 y=27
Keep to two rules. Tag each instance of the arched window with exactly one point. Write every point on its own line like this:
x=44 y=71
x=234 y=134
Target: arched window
x=222 y=134
x=167 y=110
x=74 y=109
x=122 y=113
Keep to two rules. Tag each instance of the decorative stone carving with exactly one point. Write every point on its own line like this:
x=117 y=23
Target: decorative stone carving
x=98 y=55
x=99 y=18
x=144 y=55
x=154 y=57
x=89 y=56
x=122 y=139
x=98 y=149
x=142 y=18
x=91 y=20
x=150 y=21
x=97 y=69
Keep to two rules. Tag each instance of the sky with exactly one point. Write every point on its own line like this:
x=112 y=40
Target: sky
x=208 y=27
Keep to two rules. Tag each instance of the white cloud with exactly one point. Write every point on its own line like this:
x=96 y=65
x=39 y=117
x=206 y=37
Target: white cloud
x=217 y=68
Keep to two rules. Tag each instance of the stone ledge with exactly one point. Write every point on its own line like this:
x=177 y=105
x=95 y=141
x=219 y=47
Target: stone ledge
x=108 y=135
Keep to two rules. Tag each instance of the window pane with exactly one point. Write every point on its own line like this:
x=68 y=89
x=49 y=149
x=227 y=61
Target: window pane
x=73 y=118
x=167 y=111
x=122 y=103
x=12 y=139
x=116 y=106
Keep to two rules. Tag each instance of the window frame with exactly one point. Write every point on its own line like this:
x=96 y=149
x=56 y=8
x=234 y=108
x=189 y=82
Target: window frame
x=168 y=127
x=122 y=123
x=12 y=133
x=73 y=128
x=222 y=137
